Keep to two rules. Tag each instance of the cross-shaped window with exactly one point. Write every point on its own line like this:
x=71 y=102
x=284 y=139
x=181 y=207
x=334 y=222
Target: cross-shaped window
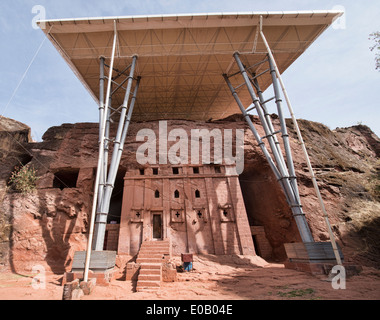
x=178 y=215
x=199 y=214
x=138 y=215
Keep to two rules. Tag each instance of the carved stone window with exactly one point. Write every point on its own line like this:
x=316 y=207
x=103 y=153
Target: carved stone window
x=200 y=214
x=226 y=213
x=177 y=215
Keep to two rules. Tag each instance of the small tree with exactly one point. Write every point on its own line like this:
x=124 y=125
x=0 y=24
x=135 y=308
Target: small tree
x=23 y=179
x=375 y=36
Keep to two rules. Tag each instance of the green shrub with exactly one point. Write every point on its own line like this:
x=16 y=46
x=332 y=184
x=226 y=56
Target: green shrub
x=23 y=179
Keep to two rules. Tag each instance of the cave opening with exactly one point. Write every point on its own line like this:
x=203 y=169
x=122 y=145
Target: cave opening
x=116 y=199
x=26 y=159
x=267 y=210
x=66 y=178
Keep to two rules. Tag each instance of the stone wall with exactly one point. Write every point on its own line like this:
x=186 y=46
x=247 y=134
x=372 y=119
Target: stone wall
x=262 y=245
x=112 y=237
x=201 y=212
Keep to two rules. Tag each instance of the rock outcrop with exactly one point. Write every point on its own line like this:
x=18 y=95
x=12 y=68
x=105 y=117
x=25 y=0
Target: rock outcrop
x=50 y=224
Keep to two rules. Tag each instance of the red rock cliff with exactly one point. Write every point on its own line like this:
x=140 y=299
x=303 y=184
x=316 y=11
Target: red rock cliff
x=50 y=224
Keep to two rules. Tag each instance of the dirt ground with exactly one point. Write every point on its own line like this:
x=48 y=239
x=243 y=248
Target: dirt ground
x=213 y=278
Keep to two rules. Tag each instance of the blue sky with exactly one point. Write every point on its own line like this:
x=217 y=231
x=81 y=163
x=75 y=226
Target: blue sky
x=334 y=82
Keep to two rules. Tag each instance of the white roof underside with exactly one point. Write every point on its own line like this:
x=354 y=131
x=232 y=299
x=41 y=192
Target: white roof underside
x=181 y=58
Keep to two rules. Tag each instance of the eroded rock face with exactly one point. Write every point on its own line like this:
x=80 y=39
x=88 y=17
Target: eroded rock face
x=50 y=224
x=346 y=162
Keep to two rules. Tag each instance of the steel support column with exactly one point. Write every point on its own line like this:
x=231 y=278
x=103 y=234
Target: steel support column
x=102 y=114
x=104 y=202
x=102 y=131
x=284 y=131
x=299 y=135
x=277 y=163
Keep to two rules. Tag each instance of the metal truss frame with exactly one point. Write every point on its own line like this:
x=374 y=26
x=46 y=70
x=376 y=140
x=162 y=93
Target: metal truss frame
x=284 y=171
x=106 y=172
x=283 y=168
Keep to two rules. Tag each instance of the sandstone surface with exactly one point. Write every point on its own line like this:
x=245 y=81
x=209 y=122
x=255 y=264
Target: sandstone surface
x=50 y=224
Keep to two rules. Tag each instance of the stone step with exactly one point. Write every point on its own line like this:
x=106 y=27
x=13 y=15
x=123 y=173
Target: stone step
x=147 y=289
x=161 y=252
x=154 y=254
x=156 y=266
x=149 y=277
x=158 y=243
x=155 y=243
x=149 y=271
x=150 y=260
x=148 y=284
x=151 y=255
x=154 y=248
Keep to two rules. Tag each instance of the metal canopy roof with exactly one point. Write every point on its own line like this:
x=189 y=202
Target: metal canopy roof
x=181 y=58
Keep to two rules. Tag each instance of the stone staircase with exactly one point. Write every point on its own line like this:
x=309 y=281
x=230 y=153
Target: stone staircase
x=151 y=256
